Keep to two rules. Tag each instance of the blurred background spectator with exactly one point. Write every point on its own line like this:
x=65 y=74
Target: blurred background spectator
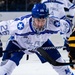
x=17 y=5
x=31 y=3
x=2 y=5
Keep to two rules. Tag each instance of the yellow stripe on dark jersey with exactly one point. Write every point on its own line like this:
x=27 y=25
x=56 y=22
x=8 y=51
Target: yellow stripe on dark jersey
x=71 y=38
x=72 y=45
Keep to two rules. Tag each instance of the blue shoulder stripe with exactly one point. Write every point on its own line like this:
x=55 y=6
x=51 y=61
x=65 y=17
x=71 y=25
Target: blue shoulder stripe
x=22 y=18
x=27 y=16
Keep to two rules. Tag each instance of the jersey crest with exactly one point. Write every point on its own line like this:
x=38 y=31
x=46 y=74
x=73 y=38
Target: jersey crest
x=20 y=25
x=56 y=23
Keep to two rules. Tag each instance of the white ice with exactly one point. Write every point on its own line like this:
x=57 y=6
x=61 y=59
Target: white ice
x=34 y=67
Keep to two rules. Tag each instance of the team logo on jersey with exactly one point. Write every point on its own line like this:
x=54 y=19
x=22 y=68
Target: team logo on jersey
x=57 y=23
x=20 y=25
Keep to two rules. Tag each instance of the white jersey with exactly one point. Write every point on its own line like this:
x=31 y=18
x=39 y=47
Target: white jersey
x=56 y=7
x=66 y=3
x=27 y=37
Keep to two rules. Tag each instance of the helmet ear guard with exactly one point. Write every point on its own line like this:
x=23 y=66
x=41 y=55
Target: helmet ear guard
x=40 y=10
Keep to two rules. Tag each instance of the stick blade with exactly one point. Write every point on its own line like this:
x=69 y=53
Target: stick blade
x=50 y=60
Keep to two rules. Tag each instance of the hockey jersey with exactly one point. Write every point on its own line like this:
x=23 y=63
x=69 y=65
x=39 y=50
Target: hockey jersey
x=23 y=32
x=56 y=7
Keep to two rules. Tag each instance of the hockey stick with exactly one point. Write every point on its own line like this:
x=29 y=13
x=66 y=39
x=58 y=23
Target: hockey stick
x=50 y=60
x=23 y=49
x=45 y=55
x=27 y=57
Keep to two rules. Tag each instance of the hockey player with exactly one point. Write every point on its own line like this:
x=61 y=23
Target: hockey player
x=71 y=42
x=72 y=48
x=33 y=31
x=57 y=8
x=63 y=27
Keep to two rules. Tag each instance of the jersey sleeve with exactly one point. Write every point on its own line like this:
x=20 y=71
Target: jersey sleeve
x=4 y=27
